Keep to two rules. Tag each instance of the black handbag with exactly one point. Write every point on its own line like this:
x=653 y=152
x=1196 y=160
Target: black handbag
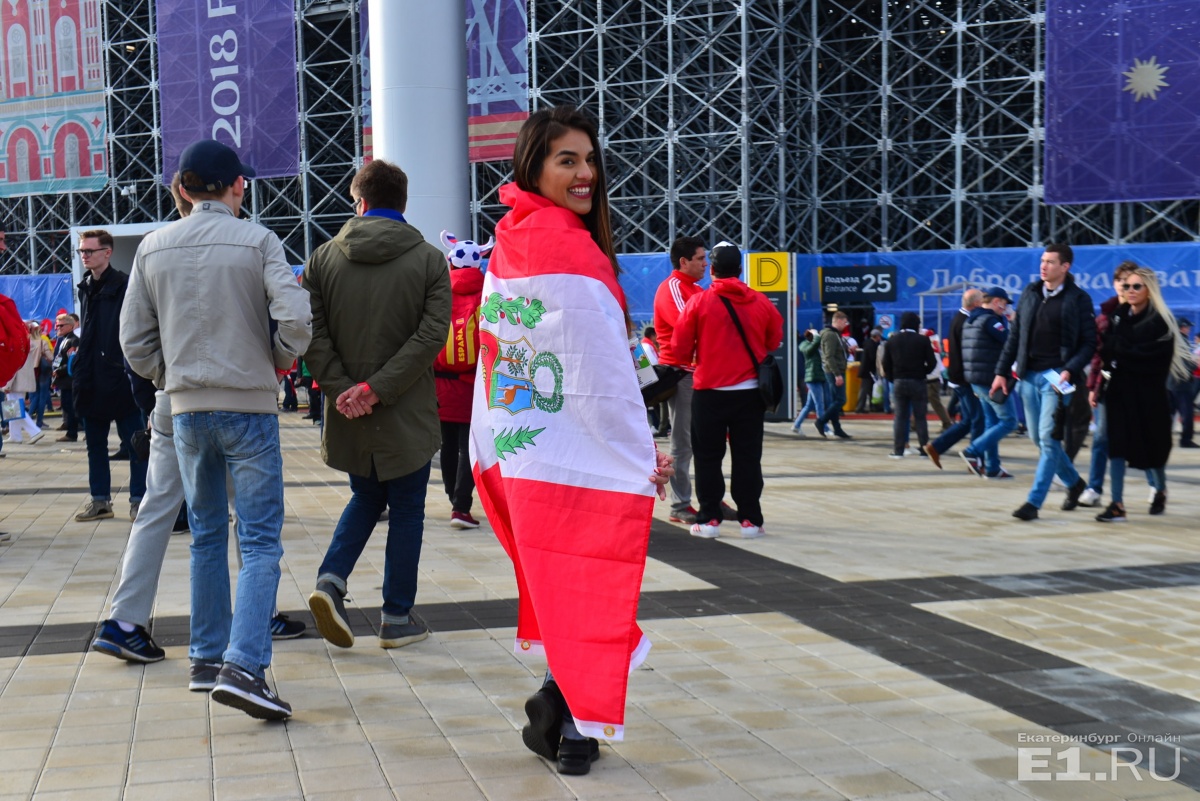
x=770 y=379
x=664 y=388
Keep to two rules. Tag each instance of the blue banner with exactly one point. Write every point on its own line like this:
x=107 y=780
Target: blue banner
x=918 y=272
x=1122 y=93
x=227 y=71
x=39 y=297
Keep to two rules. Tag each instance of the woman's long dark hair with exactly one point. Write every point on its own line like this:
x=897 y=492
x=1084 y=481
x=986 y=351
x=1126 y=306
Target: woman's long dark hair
x=532 y=148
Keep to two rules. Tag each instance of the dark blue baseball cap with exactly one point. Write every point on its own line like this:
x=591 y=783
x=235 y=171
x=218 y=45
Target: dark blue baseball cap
x=217 y=165
x=997 y=292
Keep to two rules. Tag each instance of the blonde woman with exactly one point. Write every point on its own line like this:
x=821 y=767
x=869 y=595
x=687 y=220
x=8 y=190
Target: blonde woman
x=1141 y=348
x=25 y=381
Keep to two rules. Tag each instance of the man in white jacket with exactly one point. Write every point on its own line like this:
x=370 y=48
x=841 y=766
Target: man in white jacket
x=211 y=315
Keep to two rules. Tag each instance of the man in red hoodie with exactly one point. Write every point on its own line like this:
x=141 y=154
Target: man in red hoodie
x=689 y=260
x=726 y=401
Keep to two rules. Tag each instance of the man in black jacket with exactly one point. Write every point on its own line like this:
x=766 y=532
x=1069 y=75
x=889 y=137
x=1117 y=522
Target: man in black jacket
x=971 y=420
x=64 y=347
x=866 y=370
x=1055 y=336
x=101 y=390
x=907 y=359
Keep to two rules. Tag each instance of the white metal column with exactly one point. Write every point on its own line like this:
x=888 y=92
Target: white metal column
x=419 y=107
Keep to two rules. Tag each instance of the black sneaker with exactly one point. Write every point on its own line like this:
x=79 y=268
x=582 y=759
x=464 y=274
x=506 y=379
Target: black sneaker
x=840 y=434
x=545 y=712
x=728 y=512
x=575 y=757
x=329 y=613
x=397 y=635
x=284 y=628
x=132 y=646
x=238 y=689
x=1159 y=504
x=1027 y=512
x=1113 y=514
x=1073 y=493
x=202 y=675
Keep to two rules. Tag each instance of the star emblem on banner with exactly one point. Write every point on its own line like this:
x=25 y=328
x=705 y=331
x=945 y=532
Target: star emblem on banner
x=1145 y=79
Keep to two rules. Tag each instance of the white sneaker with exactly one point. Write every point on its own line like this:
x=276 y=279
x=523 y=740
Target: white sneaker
x=749 y=531
x=895 y=455
x=1057 y=485
x=1089 y=497
x=708 y=531
x=911 y=451
x=36 y=437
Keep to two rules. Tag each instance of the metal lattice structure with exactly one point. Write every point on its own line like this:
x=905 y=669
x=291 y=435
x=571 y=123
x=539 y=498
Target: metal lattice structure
x=304 y=211
x=800 y=125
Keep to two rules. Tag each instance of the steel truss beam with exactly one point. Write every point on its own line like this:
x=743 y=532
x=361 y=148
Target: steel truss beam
x=806 y=125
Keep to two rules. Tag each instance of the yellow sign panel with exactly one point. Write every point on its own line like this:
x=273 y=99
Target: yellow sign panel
x=768 y=272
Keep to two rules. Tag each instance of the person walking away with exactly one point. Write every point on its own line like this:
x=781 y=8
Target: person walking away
x=907 y=359
x=454 y=374
x=217 y=336
x=381 y=301
x=727 y=405
x=814 y=380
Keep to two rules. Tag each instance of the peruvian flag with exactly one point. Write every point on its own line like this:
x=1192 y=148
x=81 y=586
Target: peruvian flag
x=562 y=454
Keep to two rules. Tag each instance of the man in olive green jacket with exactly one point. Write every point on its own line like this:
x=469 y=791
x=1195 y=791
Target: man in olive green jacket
x=381 y=313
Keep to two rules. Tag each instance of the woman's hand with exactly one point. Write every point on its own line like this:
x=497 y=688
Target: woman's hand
x=1092 y=399
x=663 y=470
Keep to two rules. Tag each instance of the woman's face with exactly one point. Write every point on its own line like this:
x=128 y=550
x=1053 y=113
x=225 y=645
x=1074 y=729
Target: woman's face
x=569 y=173
x=1136 y=291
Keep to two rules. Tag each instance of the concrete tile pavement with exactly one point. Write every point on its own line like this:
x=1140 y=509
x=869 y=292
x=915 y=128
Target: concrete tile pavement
x=896 y=636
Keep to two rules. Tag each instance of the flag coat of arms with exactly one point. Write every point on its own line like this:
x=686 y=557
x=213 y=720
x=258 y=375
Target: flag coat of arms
x=562 y=454
x=1122 y=94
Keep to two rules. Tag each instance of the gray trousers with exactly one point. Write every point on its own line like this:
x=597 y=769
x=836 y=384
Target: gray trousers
x=681 y=444
x=142 y=563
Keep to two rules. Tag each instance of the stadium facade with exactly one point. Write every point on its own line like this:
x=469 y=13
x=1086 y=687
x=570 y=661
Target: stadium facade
x=796 y=125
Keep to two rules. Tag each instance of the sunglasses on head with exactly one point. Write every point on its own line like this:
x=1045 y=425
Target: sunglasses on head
x=1134 y=287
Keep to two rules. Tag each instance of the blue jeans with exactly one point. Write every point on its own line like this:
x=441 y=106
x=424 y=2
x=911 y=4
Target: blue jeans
x=247 y=446
x=40 y=400
x=817 y=400
x=887 y=394
x=1041 y=402
x=95 y=431
x=1099 y=449
x=972 y=421
x=1156 y=477
x=837 y=399
x=405 y=499
x=999 y=420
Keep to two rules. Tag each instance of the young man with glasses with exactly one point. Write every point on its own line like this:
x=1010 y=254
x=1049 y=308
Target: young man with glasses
x=100 y=390
x=1054 y=338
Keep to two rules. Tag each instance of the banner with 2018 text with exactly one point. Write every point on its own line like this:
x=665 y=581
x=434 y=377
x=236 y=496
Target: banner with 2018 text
x=227 y=71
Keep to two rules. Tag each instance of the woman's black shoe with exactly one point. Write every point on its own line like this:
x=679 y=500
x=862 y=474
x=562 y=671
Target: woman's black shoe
x=1159 y=504
x=545 y=711
x=1115 y=513
x=575 y=757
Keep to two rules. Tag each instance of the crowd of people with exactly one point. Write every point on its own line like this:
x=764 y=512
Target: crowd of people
x=523 y=380
x=1127 y=374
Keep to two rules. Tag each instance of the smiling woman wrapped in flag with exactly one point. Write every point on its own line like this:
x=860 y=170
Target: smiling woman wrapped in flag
x=560 y=446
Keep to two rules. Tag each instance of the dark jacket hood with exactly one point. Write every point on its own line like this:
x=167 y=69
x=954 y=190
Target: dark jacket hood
x=376 y=240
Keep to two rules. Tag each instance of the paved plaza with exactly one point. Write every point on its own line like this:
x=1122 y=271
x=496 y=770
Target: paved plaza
x=896 y=636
